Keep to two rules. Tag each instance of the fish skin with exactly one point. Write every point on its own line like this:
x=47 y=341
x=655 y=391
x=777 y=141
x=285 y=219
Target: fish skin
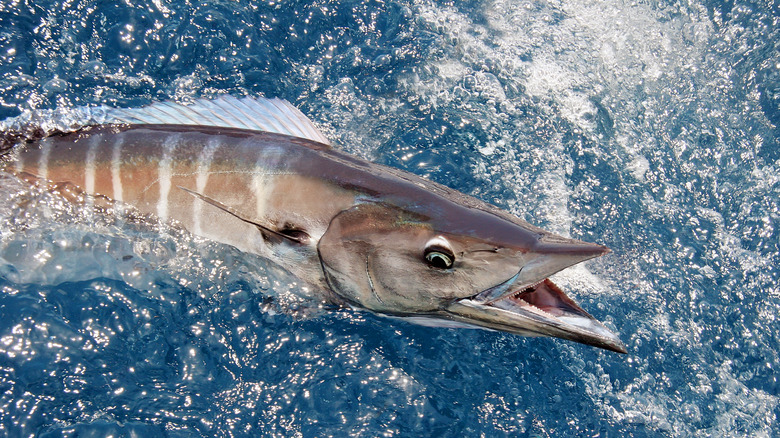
x=349 y=227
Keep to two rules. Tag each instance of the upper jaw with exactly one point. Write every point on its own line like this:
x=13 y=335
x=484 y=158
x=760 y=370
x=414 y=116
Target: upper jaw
x=540 y=310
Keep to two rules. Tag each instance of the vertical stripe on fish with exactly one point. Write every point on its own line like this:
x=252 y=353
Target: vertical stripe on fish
x=263 y=180
x=201 y=179
x=43 y=159
x=116 y=162
x=164 y=175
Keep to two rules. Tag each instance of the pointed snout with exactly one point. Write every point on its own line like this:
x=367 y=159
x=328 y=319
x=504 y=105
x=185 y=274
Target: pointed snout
x=552 y=254
x=547 y=256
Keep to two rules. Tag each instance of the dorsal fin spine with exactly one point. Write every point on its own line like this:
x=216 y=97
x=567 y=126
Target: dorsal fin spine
x=258 y=117
x=241 y=108
x=230 y=108
x=174 y=114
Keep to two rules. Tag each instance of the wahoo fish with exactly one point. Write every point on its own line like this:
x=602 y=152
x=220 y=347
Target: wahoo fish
x=257 y=174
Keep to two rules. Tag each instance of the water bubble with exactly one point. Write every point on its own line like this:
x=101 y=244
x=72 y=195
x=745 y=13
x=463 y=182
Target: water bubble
x=382 y=60
x=187 y=86
x=55 y=86
x=93 y=68
x=23 y=80
x=469 y=82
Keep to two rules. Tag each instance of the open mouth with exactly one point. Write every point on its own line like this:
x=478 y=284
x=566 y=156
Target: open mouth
x=541 y=309
x=544 y=297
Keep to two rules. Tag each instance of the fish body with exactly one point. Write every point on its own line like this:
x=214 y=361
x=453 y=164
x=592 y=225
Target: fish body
x=365 y=235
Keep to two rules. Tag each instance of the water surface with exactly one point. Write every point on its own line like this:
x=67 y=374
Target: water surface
x=650 y=127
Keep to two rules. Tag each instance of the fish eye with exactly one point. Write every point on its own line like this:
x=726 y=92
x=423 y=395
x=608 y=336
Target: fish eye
x=438 y=253
x=439 y=258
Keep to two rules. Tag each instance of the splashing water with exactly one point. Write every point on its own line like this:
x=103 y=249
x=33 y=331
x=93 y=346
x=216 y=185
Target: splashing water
x=649 y=127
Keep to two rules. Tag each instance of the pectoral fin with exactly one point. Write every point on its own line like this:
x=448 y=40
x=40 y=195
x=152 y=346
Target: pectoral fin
x=297 y=238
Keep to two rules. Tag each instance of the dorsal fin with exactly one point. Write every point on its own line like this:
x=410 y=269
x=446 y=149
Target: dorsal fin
x=256 y=114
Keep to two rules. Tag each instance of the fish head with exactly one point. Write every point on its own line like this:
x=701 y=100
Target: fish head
x=460 y=266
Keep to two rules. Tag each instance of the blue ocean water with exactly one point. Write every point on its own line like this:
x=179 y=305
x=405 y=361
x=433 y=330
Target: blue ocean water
x=651 y=127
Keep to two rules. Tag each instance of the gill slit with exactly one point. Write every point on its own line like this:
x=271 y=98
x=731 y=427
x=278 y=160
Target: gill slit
x=371 y=282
